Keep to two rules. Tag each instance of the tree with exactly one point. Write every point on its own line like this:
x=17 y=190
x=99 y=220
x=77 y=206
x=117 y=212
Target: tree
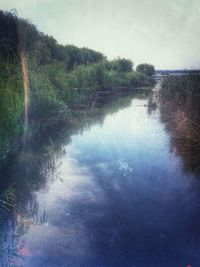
x=147 y=69
x=122 y=65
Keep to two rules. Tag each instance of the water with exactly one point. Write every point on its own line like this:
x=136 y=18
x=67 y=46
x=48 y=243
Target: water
x=112 y=194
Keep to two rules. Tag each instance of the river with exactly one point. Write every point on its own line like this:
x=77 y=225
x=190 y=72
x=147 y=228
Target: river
x=113 y=194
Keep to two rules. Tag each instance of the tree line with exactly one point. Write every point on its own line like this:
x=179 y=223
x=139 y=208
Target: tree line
x=60 y=76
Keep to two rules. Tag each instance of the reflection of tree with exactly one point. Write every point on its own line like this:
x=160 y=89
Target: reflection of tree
x=152 y=103
x=35 y=166
x=180 y=111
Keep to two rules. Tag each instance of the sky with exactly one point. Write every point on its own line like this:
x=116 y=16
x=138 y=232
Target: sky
x=165 y=33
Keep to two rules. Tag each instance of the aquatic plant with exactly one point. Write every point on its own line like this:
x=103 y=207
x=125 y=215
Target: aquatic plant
x=7 y=199
x=180 y=111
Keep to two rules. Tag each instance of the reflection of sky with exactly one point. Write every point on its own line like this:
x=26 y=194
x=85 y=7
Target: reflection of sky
x=121 y=200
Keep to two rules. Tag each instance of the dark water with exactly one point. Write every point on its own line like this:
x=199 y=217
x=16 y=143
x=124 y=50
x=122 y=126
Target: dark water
x=113 y=194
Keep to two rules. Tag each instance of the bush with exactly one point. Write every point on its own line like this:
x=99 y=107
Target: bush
x=146 y=69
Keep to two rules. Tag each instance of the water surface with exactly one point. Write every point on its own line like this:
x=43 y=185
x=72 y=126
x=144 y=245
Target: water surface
x=114 y=194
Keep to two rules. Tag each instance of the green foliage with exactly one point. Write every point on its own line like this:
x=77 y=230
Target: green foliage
x=180 y=111
x=78 y=56
x=121 y=65
x=146 y=69
x=17 y=34
x=182 y=89
x=11 y=105
x=60 y=77
x=136 y=78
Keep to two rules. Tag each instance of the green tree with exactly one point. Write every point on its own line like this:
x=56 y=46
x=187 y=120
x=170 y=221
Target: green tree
x=147 y=69
x=122 y=65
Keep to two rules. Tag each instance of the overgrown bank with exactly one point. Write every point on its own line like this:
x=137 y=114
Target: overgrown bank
x=60 y=78
x=180 y=111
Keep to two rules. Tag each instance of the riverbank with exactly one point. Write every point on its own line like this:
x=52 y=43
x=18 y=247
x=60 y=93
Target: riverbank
x=98 y=181
x=180 y=112
x=42 y=82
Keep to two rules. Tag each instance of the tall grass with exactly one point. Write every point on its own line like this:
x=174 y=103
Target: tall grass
x=180 y=111
x=11 y=105
x=7 y=200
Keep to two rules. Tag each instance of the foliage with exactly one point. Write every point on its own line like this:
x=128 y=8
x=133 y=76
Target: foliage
x=17 y=34
x=60 y=77
x=121 y=65
x=182 y=89
x=147 y=69
x=180 y=102
x=11 y=104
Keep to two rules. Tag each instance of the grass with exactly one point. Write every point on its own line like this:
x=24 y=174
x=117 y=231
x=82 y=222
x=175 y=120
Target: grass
x=7 y=199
